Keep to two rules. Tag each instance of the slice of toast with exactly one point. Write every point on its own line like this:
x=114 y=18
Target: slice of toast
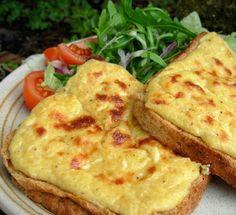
x=60 y=202
x=82 y=148
x=172 y=132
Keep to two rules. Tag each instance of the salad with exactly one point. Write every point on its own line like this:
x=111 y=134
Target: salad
x=142 y=40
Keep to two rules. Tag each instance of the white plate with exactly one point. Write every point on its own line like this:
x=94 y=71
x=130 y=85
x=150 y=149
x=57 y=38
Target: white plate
x=219 y=198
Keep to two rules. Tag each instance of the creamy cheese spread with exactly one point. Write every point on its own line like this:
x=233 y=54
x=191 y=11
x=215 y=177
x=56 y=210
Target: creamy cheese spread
x=198 y=94
x=85 y=141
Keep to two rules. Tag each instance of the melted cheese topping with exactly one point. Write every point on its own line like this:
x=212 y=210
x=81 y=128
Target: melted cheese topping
x=198 y=94
x=85 y=141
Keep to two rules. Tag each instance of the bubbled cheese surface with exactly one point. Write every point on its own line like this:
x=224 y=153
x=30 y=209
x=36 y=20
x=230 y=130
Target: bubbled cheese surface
x=198 y=94
x=85 y=141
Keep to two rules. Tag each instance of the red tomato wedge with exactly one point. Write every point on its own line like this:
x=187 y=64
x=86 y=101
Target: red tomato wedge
x=52 y=53
x=76 y=53
x=69 y=56
x=33 y=92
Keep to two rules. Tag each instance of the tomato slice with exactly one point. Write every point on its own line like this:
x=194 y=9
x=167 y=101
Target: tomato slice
x=52 y=53
x=69 y=56
x=80 y=51
x=77 y=53
x=33 y=92
x=74 y=54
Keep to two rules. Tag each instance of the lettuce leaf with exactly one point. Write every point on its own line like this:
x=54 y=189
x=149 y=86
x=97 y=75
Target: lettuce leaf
x=50 y=80
x=231 y=40
x=193 y=23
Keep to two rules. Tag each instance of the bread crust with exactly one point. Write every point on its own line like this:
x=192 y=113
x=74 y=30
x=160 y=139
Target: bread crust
x=56 y=205
x=33 y=188
x=61 y=202
x=181 y=141
x=185 y=144
x=193 y=45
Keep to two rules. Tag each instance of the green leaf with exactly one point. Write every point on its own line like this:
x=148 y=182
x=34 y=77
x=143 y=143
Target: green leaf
x=63 y=78
x=111 y=8
x=231 y=40
x=120 y=42
x=156 y=58
x=193 y=23
x=50 y=80
x=117 y=19
x=147 y=19
x=175 y=26
x=150 y=36
x=102 y=19
x=137 y=37
x=149 y=74
x=91 y=45
x=158 y=13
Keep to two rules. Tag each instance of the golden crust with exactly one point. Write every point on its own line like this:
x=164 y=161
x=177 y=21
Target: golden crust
x=61 y=202
x=186 y=144
x=182 y=142
x=193 y=45
x=53 y=203
x=34 y=187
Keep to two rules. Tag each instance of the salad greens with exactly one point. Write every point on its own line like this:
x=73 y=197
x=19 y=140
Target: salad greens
x=231 y=40
x=50 y=79
x=143 y=40
x=193 y=23
x=55 y=78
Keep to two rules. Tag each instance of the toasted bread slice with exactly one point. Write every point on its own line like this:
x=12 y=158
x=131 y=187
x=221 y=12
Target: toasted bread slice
x=83 y=144
x=60 y=202
x=171 y=132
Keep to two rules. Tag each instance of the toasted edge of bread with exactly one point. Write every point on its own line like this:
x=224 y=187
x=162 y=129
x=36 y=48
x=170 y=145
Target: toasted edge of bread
x=61 y=202
x=181 y=141
x=47 y=194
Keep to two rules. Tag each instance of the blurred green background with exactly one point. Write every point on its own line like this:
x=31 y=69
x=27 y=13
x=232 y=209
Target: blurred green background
x=29 y=26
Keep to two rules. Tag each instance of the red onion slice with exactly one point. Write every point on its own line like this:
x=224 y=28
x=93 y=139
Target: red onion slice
x=168 y=49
